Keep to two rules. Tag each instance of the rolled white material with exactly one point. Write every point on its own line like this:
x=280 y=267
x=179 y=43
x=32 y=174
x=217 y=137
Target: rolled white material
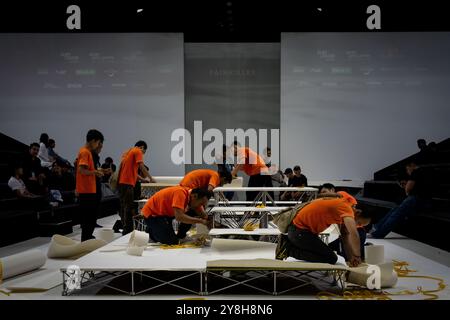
x=135 y=251
x=22 y=262
x=66 y=248
x=106 y=235
x=360 y=275
x=138 y=242
x=374 y=254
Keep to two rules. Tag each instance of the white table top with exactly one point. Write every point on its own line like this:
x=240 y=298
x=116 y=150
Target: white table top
x=244 y=209
x=287 y=203
x=240 y=231
x=261 y=189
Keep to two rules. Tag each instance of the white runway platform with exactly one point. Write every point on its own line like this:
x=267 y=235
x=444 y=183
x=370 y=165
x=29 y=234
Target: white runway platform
x=424 y=259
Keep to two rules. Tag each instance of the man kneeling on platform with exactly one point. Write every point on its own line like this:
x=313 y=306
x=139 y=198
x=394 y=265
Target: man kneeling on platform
x=303 y=242
x=179 y=203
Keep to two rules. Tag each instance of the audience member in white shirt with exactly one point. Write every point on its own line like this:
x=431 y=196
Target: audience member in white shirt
x=18 y=186
x=46 y=161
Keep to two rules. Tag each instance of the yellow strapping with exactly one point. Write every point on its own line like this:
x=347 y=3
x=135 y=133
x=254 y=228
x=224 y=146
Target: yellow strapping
x=180 y=246
x=401 y=267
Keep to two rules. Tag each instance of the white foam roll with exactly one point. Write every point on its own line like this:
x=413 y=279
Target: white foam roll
x=360 y=275
x=138 y=239
x=374 y=254
x=135 y=251
x=21 y=263
x=106 y=235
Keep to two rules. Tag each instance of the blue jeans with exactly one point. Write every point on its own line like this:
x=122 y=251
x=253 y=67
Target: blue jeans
x=393 y=218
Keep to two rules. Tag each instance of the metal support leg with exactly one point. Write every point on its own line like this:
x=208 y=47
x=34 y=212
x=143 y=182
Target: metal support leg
x=205 y=291
x=132 y=285
x=264 y=220
x=274 y=283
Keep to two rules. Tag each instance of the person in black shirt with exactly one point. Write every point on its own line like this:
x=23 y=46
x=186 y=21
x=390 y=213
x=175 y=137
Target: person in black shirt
x=418 y=194
x=299 y=179
x=34 y=175
x=109 y=164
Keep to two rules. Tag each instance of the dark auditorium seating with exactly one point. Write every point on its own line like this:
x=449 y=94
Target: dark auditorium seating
x=23 y=219
x=429 y=226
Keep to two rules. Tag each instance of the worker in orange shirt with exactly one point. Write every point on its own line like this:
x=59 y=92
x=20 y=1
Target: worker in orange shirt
x=303 y=242
x=132 y=161
x=86 y=183
x=205 y=179
x=253 y=165
x=174 y=203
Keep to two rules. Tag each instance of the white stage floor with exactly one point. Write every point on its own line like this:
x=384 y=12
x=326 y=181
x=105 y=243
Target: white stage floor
x=426 y=260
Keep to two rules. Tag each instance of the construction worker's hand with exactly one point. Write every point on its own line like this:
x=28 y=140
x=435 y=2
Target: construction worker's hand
x=355 y=261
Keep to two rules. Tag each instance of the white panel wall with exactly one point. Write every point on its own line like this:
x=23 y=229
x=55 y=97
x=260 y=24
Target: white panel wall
x=353 y=103
x=129 y=86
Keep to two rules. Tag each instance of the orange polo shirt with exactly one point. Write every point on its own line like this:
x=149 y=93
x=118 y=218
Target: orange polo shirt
x=201 y=178
x=163 y=202
x=84 y=183
x=253 y=162
x=130 y=165
x=322 y=213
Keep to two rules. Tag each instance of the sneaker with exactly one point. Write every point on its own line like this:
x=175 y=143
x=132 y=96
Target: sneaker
x=117 y=226
x=281 y=250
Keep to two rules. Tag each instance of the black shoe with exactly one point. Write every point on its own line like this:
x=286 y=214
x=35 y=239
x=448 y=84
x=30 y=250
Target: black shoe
x=281 y=250
x=117 y=226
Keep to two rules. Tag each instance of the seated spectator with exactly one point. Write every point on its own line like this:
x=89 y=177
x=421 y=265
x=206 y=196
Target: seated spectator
x=43 y=155
x=421 y=144
x=34 y=175
x=108 y=164
x=418 y=196
x=288 y=175
x=56 y=179
x=52 y=153
x=68 y=176
x=290 y=195
x=300 y=178
x=17 y=185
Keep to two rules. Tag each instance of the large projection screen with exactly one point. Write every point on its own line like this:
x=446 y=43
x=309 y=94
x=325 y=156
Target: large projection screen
x=129 y=86
x=353 y=103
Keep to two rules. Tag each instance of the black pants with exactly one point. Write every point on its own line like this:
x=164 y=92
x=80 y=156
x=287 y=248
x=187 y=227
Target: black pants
x=126 y=196
x=258 y=180
x=304 y=245
x=338 y=246
x=88 y=214
x=161 y=230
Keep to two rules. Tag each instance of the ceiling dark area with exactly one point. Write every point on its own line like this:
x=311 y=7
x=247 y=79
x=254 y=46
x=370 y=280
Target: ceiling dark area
x=221 y=20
